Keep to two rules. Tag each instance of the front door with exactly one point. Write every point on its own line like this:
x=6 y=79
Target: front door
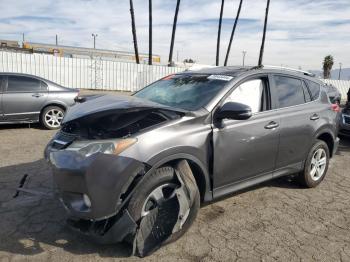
x=246 y=149
x=23 y=98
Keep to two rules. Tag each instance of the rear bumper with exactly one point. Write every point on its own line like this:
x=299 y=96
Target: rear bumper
x=92 y=188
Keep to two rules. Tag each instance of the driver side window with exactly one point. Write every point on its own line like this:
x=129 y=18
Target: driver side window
x=250 y=93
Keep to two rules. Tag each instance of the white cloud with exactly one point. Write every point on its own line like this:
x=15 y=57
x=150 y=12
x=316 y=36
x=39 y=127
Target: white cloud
x=300 y=32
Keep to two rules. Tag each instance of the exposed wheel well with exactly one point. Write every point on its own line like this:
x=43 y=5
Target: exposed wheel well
x=328 y=139
x=197 y=173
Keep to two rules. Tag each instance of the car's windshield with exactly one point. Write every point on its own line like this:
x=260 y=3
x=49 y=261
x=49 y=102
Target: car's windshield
x=189 y=92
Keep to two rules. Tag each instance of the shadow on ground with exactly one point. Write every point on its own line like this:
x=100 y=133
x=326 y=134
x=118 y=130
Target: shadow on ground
x=31 y=225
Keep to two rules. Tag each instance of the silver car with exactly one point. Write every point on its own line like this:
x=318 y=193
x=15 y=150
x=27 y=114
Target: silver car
x=30 y=99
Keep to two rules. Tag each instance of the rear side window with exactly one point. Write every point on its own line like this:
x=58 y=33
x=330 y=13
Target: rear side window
x=23 y=84
x=314 y=89
x=289 y=91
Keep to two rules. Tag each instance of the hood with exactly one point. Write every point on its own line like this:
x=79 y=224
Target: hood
x=111 y=103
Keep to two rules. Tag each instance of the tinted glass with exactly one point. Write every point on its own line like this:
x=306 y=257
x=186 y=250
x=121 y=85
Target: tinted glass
x=1 y=84
x=189 y=92
x=314 y=89
x=23 y=84
x=290 y=91
x=248 y=93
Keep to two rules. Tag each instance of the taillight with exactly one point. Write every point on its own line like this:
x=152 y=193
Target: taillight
x=335 y=108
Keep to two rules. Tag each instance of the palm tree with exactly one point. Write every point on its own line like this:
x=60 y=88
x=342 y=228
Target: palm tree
x=133 y=26
x=233 y=32
x=264 y=34
x=219 y=33
x=150 y=33
x=327 y=66
x=173 y=33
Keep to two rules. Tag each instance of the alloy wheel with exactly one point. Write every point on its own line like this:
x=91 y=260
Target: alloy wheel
x=54 y=117
x=318 y=164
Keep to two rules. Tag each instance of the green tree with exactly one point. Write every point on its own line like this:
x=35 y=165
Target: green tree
x=327 y=66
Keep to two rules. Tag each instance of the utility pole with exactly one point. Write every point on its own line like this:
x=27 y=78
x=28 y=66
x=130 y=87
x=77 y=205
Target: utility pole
x=56 y=40
x=244 y=54
x=340 y=64
x=264 y=35
x=22 y=40
x=173 y=33
x=94 y=36
x=233 y=32
x=150 y=32
x=219 y=33
x=133 y=27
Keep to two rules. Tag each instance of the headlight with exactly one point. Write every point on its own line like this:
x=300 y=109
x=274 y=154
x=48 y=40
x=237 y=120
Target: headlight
x=88 y=148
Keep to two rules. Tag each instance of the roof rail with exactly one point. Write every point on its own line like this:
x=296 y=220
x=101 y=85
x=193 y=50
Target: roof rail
x=289 y=69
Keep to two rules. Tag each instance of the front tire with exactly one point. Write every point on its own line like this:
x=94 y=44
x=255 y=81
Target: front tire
x=316 y=165
x=158 y=186
x=51 y=117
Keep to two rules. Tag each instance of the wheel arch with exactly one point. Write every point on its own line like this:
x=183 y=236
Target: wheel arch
x=198 y=169
x=327 y=137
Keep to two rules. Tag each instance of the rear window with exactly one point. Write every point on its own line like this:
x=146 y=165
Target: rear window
x=289 y=91
x=23 y=84
x=189 y=92
x=314 y=89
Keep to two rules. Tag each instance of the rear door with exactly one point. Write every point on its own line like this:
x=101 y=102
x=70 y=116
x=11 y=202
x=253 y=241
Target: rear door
x=246 y=149
x=298 y=120
x=23 y=98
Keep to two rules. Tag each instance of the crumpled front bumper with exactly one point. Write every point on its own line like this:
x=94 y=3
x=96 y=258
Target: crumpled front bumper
x=100 y=179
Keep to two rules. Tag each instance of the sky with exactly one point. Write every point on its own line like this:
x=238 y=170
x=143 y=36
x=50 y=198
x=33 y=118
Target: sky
x=300 y=32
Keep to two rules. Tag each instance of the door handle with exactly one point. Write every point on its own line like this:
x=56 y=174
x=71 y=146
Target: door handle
x=272 y=125
x=37 y=95
x=315 y=117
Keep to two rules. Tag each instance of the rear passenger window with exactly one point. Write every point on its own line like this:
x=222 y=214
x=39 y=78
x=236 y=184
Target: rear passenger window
x=23 y=84
x=314 y=89
x=289 y=91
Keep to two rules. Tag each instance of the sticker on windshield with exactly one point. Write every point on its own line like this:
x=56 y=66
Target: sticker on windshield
x=220 y=77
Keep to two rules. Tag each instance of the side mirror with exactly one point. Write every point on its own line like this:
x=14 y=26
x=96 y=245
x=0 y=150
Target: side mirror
x=235 y=111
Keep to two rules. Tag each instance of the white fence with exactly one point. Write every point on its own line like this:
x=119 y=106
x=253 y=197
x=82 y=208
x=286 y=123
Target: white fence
x=342 y=85
x=85 y=73
x=100 y=74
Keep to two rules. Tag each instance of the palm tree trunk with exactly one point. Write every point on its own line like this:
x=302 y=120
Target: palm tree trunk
x=173 y=33
x=264 y=34
x=133 y=26
x=150 y=33
x=233 y=32
x=219 y=33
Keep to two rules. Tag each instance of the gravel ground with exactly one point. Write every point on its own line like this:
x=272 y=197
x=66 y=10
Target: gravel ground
x=274 y=221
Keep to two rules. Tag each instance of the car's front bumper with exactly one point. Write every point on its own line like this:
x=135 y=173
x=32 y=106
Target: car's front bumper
x=93 y=188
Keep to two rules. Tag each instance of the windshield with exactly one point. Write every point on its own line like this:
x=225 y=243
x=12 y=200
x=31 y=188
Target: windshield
x=189 y=92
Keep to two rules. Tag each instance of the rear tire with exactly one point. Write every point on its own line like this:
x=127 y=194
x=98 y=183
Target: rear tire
x=51 y=117
x=316 y=165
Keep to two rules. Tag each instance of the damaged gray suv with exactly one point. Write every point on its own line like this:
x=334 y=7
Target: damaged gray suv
x=136 y=168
